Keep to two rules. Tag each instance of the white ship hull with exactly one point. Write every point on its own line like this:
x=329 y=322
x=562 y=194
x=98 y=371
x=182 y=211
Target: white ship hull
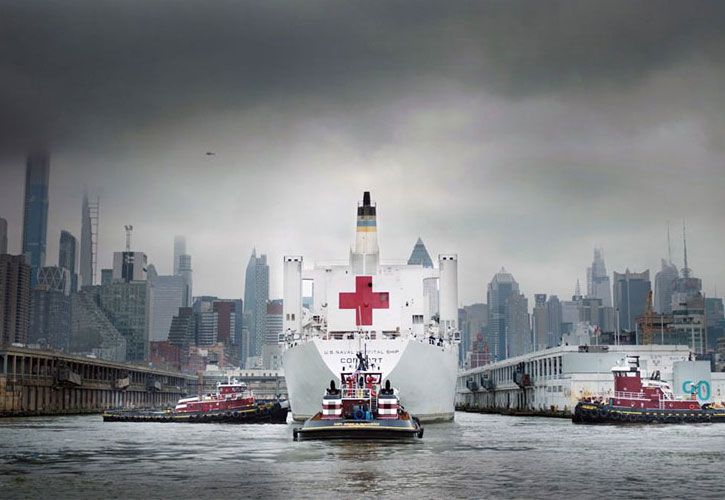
x=424 y=374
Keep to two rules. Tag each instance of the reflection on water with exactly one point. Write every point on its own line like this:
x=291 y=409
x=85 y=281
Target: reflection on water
x=477 y=455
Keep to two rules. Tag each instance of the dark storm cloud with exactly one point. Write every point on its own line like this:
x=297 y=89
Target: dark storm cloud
x=98 y=69
x=514 y=133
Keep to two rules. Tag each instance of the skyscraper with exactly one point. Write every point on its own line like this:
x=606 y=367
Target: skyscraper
x=664 y=286
x=597 y=280
x=182 y=330
x=501 y=290
x=92 y=332
x=256 y=296
x=50 y=309
x=129 y=266
x=126 y=304
x=167 y=296
x=420 y=256
x=540 y=322
x=67 y=257
x=87 y=258
x=3 y=236
x=519 y=325
x=179 y=250
x=14 y=298
x=554 y=316
x=185 y=273
x=714 y=321
x=630 y=297
x=35 y=218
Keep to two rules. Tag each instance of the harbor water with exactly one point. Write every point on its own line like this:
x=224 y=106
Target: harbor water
x=474 y=456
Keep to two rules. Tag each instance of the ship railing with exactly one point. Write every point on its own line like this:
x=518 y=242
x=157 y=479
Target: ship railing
x=629 y=395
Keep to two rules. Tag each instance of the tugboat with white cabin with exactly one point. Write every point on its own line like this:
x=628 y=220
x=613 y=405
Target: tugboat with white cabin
x=362 y=408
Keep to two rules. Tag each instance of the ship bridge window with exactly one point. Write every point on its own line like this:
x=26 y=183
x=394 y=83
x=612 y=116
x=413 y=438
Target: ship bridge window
x=417 y=319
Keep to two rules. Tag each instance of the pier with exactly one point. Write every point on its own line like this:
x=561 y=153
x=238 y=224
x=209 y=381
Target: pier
x=551 y=382
x=36 y=382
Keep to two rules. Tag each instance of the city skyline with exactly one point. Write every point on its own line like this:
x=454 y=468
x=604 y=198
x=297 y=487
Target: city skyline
x=526 y=158
x=164 y=263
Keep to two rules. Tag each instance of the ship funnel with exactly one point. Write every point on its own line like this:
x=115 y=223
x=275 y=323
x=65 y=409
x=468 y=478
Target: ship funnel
x=364 y=258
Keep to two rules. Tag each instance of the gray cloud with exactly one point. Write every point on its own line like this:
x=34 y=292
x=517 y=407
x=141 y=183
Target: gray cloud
x=517 y=133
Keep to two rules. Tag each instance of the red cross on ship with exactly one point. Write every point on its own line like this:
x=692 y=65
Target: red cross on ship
x=363 y=300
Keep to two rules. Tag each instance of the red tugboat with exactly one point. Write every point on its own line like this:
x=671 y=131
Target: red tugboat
x=360 y=409
x=649 y=400
x=232 y=396
x=232 y=403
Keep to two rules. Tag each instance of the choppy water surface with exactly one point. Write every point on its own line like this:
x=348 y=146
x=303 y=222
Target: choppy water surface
x=475 y=456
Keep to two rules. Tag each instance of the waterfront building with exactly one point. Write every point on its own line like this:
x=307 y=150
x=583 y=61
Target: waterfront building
x=664 y=287
x=50 y=309
x=552 y=381
x=92 y=332
x=256 y=296
x=14 y=299
x=127 y=306
x=35 y=216
x=630 y=297
x=185 y=273
x=167 y=296
x=129 y=266
x=598 y=281
x=274 y=321
x=179 y=250
x=715 y=321
x=67 y=257
x=3 y=236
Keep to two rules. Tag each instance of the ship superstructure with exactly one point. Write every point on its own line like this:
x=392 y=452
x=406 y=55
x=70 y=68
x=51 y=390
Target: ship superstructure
x=382 y=308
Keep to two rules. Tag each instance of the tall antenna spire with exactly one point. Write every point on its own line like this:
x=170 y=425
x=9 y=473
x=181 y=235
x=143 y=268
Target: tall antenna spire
x=577 y=289
x=686 y=269
x=669 y=244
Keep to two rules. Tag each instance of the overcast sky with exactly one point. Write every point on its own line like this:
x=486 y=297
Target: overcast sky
x=516 y=134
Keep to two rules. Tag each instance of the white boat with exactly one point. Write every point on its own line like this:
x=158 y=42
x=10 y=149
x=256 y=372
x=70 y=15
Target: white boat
x=386 y=310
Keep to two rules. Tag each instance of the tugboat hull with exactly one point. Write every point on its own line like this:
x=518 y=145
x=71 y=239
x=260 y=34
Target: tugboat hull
x=596 y=413
x=317 y=428
x=261 y=413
